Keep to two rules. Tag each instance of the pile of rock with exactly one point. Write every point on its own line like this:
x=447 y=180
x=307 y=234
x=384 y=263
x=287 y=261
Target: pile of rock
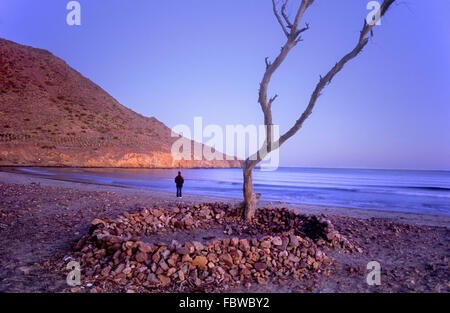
x=319 y=229
x=117 y=251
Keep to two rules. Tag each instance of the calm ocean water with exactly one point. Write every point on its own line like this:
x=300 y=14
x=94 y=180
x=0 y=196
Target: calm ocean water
x=394 y=190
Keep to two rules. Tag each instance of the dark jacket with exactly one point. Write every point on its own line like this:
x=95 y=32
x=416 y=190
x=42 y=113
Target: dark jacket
x=179 y=180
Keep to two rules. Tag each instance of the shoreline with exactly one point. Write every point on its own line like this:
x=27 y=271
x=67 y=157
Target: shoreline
x=42 y=220
x=13 y=177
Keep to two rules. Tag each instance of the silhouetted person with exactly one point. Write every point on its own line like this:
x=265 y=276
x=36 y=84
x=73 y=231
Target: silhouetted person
x=179 y=180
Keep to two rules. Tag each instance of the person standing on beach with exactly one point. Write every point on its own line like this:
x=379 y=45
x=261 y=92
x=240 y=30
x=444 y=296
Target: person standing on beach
x=179 y=180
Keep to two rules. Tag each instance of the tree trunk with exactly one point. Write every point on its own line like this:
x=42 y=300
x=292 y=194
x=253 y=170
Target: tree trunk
x=249 y=199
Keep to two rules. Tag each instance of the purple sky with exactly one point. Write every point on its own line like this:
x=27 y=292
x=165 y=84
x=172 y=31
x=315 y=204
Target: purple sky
x=176 y=59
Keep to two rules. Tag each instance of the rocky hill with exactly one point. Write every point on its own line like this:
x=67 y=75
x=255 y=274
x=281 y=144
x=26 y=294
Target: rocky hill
x=50 y=115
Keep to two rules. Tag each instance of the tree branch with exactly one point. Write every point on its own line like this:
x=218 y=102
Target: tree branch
x=275 y=11
x=293 y=39
x=303 y=6
x=283 y=13
x=362 y=42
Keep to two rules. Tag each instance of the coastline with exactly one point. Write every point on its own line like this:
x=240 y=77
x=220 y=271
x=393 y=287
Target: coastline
x=12 y=177
x=42 y=219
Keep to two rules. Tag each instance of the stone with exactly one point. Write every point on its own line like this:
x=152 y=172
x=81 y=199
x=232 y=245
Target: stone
x=178 y=224
x=198 y=246
x=234 y=272
x=277 y=241
x=97 y=221
x=165 y=281
x=163 y=265
x=119 y=268
x=181 y=275
x=186 y=258
x=254 y=257
x=244 y=245
x=236 y=255
x=105 y=271
x=156 y=257
x=183 y=250
x=200 y=261
x=293 y=258
x=260 y=266
x=171 y=271
x=261 y=280
x=316 y=265
x=165 y=254
x=293 y=241
x=145 y=248
x=141 y=257
x=188 y=221
x=265 y=244
x=319 y=255
x=227 y=259
x=234 y=241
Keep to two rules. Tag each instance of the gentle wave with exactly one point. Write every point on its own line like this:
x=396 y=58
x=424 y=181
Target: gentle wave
x=404 y=191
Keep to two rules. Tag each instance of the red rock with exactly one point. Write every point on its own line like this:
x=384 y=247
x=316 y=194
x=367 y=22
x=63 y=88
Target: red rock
x=293 y=258
x=181 y=275
x=227 y=259
x=165 y=281
x=152 y=279
x=260 y=266
x=234 y=272
x=244 y=245
x=265 y=244
x=119 y=268
x=200 y=261
x=293 y=241
x=186 y=258
x=261 y=281
x=156 y=257
x=277 y=241
x=178 y=224
x=319 y=255
x=163 y=265
x=105 y=272
x=198 y=246
x=141 y=257
x=145 y=248
x=171 y=271
x=97 y=221
x=183 y=250
x=236 y=255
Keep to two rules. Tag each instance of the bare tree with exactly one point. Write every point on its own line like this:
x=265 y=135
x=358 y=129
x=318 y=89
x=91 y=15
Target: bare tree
x=292 y=31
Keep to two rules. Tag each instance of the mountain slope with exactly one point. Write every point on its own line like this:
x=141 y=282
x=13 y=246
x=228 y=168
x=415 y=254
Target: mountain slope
x=50 y=115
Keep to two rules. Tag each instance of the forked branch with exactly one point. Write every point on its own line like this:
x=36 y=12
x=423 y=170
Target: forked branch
x=362 y=42
x=293 y=37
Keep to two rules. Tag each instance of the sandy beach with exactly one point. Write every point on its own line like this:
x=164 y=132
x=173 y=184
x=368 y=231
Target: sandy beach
x=42 y=219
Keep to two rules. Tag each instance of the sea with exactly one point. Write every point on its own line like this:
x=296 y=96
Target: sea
x=426 y=192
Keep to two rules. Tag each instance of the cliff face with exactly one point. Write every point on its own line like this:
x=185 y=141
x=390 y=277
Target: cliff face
x=50 y=115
